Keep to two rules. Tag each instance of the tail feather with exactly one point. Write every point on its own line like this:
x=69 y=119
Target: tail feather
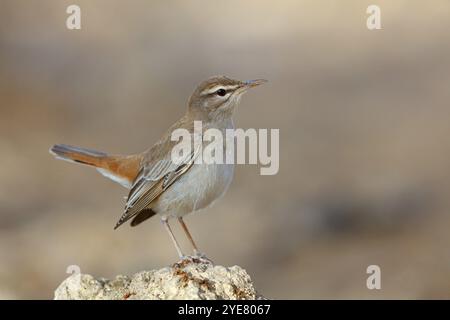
x=121 y=169
x=79 y=155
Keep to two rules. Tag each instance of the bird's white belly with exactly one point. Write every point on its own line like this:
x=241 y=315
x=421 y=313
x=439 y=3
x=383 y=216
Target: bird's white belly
x=200 y=186
x=195 y=190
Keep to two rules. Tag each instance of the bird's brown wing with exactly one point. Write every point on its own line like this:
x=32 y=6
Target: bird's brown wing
x=142 y=216
x=152 y=180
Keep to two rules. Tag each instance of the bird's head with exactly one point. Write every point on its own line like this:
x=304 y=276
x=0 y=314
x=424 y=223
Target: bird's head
x=216 y=97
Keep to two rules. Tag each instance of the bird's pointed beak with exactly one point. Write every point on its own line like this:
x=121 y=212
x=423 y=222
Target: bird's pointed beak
x=254 y=83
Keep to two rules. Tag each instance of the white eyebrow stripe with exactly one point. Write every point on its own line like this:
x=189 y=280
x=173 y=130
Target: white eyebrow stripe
x=215 y=88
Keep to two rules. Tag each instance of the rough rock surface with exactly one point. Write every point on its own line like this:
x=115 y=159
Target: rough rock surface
x=190 y=278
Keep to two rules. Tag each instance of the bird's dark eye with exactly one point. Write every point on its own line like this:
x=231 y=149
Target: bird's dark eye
x=221 y=92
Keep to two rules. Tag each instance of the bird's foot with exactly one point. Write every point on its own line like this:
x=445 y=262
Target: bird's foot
x=202 y=257
x=196 y=258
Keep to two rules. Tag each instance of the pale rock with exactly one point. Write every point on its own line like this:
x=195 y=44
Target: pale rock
x=191 y=278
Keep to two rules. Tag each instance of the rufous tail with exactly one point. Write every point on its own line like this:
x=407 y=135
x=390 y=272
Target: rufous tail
x=121 y=169
x=79 y=155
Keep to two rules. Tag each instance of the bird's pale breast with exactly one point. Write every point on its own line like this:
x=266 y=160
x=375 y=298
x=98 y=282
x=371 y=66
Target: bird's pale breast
x=199 y=187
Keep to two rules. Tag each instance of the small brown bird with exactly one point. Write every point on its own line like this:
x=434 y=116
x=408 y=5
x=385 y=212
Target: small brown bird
x=158 y=184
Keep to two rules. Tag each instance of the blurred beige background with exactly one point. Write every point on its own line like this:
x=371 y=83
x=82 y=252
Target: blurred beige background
x=364 y=126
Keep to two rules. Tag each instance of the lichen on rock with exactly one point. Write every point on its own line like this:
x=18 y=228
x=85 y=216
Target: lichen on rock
x=192 y=278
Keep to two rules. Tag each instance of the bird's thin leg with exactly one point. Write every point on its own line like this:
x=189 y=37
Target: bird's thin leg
x=165 y=222
x=196 y=251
